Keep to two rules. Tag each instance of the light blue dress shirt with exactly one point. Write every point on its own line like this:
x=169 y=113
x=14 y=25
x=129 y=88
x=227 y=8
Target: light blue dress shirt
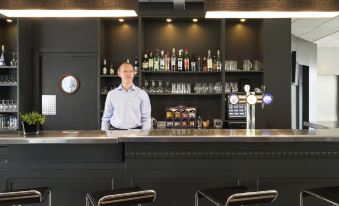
x=127 y=109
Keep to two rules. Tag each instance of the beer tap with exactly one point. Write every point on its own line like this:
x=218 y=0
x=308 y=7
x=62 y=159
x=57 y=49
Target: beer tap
x=250 y=99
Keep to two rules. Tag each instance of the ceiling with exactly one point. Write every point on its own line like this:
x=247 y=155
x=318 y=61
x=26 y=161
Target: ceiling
x=322 y=31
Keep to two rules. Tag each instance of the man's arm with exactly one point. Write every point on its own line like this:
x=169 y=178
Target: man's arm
x=145 y=111
x=108 y=113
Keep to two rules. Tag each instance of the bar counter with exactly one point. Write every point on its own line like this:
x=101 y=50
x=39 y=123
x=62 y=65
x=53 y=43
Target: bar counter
x=175 y=163
x=171 y=135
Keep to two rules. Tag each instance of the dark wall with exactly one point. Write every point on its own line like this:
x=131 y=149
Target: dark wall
x=278 y=64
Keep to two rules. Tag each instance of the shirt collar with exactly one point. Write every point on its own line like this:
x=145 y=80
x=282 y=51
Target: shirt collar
x=121 y=88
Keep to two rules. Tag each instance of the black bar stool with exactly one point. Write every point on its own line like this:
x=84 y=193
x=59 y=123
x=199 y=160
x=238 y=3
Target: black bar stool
x=25 y=196
x=231 y=196
x=328 y=194
x=124 y=196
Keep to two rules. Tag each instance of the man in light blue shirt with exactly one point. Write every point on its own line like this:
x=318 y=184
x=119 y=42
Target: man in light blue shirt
x=128 y=106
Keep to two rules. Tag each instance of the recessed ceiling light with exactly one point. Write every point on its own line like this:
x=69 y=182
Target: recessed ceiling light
x=242 y=20
x=121 y=20
x=268 y=14
x=169 y=20
x=69 y=13
x=195 y=20
x=9 y=20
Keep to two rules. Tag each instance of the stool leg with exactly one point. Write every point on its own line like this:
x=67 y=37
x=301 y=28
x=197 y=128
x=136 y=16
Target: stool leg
x=196 y=199
x=301 y=199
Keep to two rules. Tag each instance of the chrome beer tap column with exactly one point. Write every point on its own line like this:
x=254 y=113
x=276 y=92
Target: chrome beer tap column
x=250 y=99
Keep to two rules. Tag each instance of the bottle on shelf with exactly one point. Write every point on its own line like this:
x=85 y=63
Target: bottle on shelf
x=127 y=60
x=186 y=61
x=180 y=61
x=214 y=63
x=173 y=61
x=162 y=60
x=167 y=61
x=199 y=64
x=2 y=57
x=218 y=61
x=14 y=61
x=193 y=63
x=156 y=61
x=104 y=67
x=199 y=123
x=209 y=61
x=150 y=62
x=111 y=68
x=204 y=65
x=145 y=62
x=136 y=65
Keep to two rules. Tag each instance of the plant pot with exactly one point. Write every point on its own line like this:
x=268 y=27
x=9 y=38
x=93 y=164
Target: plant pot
x=30 y=129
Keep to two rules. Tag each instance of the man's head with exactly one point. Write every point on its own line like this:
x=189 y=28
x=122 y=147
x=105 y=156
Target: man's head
x=126 y=73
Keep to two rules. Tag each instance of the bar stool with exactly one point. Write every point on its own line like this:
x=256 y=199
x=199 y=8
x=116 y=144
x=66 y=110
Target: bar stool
x=25 y=196
x=235 y=196
x=328 y=194
x=124 y=196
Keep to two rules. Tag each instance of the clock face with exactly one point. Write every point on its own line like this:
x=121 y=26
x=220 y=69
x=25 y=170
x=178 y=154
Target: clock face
x=251 y=99
x=234 y=99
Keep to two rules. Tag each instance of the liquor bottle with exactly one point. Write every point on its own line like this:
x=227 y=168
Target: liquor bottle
x=214 y=63
x=2 y=57
x=14 y=61
x=104 y=67
x=193 y=63
x=186 y=61
x=150 y=62
x=218 y=61
x=167 y=61
x=204 y=65
x=173 y=61
x=199 y=64
x=180 y=61
x=136 y=66
x=111 y=68
x=127 y=60
x=156 y=61
x=145 y=62
x=162 y=60
x=209 y=61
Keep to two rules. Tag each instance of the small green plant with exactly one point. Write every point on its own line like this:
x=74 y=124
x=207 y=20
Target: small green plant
x=33 y=118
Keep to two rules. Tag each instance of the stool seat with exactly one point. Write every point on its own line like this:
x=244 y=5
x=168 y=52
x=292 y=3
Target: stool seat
x=124 y=196
x=236 y=196
x=329 y=194
x=24 y=196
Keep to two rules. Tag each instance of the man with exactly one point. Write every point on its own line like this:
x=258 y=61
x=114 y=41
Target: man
x=128 y=106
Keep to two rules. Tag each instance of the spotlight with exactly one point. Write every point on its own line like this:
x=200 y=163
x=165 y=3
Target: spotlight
x=169 y=20
x=242 y=20
x=195 y=20
x=9 y=20
x=121 y=20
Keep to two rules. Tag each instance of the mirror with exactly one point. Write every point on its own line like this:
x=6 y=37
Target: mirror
x=69 y=84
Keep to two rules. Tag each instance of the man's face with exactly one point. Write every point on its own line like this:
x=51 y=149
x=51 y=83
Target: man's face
x=126 y=73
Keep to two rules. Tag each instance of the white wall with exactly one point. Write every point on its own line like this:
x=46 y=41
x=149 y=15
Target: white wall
x=327 y=98
x=306 y=55
x=328 y=61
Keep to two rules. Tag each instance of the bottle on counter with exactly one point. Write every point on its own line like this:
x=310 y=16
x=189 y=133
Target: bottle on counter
x=173 y=61
x=104 y=67
x=199 y=123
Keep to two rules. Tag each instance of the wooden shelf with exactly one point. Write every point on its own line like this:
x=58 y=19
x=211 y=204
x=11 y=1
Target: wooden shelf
x=243 y=71
x=8 y=85
x=181 y=72
x=8 y=67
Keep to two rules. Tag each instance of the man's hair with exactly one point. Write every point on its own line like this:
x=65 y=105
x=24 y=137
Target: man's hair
x=125 y=63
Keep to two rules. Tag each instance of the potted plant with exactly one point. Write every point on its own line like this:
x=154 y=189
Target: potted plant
x=31 y=122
